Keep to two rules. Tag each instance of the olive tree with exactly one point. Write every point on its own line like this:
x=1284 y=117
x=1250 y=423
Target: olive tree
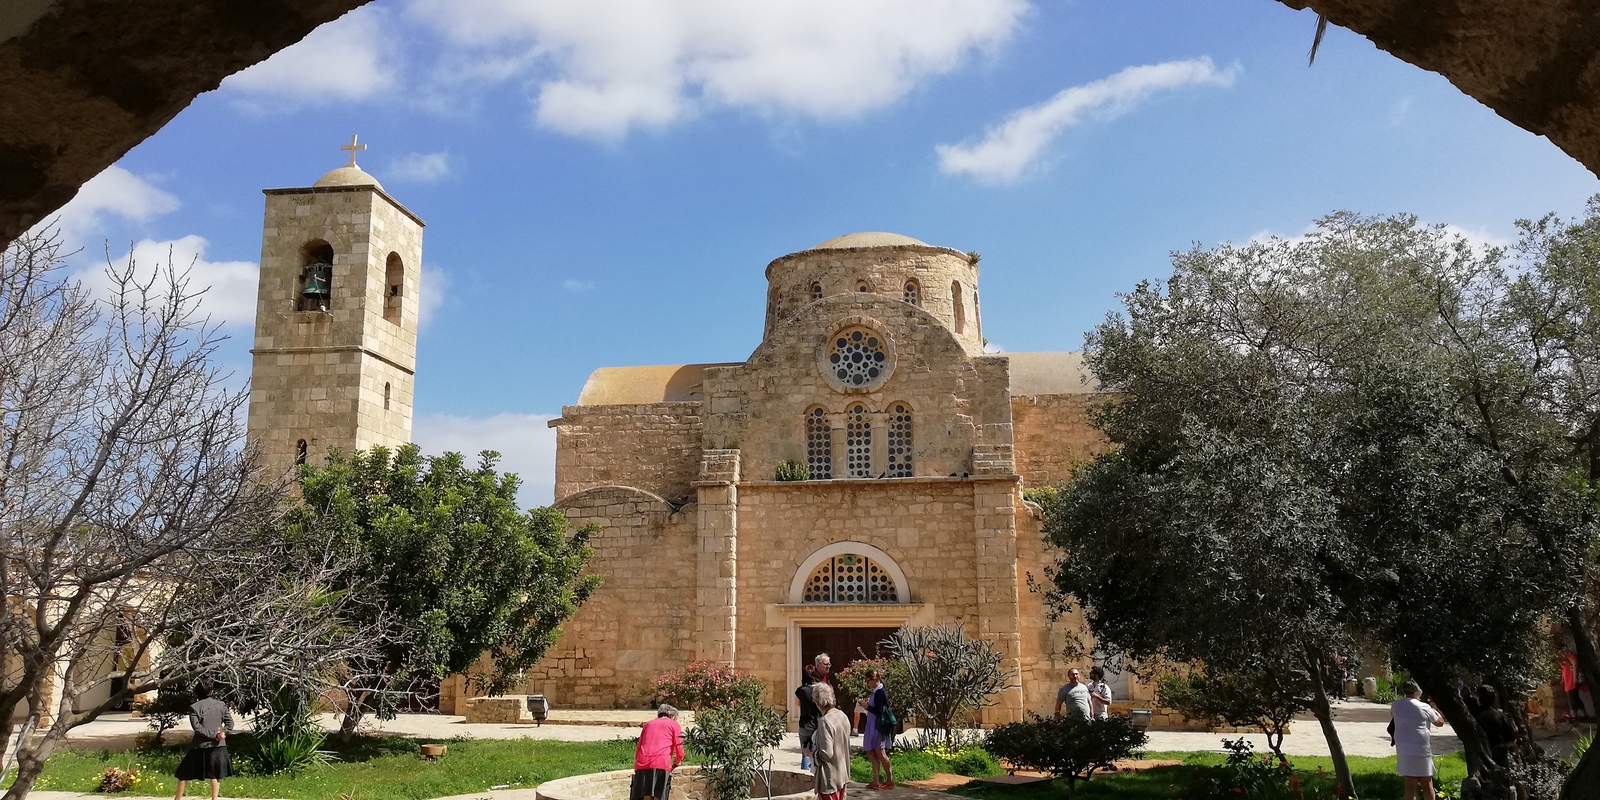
x=949 y=675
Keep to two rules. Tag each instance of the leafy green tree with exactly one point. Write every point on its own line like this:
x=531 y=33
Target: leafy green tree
x=1267 y=698
x=1323 y=438
x=456 y=568
x=948 y=675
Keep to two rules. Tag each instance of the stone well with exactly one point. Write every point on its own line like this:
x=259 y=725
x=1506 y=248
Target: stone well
x=686 y=785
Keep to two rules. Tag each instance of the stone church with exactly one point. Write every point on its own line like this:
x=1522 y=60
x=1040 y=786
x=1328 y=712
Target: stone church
x=870 y=384
x=915 y=446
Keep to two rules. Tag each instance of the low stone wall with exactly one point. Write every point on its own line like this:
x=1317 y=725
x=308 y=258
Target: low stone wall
x=1166 y=719
x=501 y=710
x=686 y=785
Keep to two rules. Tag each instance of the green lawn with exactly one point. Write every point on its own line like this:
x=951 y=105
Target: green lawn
x=364 y=771
x=1375 y=779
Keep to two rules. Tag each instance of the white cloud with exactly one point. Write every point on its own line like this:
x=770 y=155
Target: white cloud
x=115 y=191
x=419 y=168
x=230 y=286
x=1008 y=150
x=526 y=443
x=339 y=61
x=575 y=285
x=604 y=67
x=435 y=287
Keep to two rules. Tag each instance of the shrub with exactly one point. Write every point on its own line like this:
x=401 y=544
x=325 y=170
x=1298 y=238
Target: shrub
x=1245 y=775
x=948 y=674
x=1389 y=688
x=287 y=736
x=855 y=679
x=793 y=471
x=1267 y=699
x=169 y=706
x=1066 y=747
x=975 y=762
x=707 y=684
x=731 y=741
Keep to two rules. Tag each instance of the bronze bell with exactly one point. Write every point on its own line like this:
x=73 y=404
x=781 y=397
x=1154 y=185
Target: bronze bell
x=318 y=279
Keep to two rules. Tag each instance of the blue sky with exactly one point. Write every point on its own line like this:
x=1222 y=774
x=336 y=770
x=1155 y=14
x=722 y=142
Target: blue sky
x=605 y=180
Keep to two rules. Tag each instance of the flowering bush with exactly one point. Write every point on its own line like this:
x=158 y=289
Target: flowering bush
x=117 y=779
x=1246 y=776
x=856 y=680
x=707 y=684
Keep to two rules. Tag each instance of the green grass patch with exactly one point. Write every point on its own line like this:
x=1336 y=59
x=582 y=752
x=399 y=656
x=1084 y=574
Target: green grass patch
x=1375 y=779
x=370 y=768
x=919 y=765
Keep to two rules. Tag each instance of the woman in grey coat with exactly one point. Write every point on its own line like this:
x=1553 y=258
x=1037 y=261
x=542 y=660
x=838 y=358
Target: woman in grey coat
x=207 y=758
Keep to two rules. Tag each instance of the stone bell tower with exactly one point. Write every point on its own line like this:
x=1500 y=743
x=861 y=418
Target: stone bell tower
x=335 y=353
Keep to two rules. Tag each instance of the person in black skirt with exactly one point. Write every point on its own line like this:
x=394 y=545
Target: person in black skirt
x=207 y=759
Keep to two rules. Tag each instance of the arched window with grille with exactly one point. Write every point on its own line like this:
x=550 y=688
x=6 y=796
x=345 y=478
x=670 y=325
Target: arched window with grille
x=858 y=442
x=850 y=578
x=899 y=444
x=816 y=291
x=819 y=445
x=913 y=293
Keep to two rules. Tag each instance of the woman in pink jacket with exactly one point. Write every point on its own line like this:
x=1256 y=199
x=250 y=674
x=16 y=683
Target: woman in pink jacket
x=660 y=752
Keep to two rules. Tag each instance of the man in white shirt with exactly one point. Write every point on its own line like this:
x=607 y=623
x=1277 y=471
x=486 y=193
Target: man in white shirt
x=1413 y=743
x=1099 y=694
x=1074 y=695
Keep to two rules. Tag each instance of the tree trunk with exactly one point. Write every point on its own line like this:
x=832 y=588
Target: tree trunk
x=353 y=714
x=1324 y=713
x=30 y=762
x=1583 y=638
x=1584 y=782
x=1492 y=778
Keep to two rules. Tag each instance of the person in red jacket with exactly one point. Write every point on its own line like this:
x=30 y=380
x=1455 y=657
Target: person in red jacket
x=1574 y=685
x=660 y=752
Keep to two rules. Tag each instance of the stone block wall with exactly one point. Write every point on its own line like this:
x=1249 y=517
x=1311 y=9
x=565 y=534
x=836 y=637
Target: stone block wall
x=956 y=401
x=924 y=524
x=641 y=622
x=1052 y=434
x=654 y=447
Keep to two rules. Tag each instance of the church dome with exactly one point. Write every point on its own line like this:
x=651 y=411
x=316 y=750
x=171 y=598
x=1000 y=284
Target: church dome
x=868 y=239
x=348 y=175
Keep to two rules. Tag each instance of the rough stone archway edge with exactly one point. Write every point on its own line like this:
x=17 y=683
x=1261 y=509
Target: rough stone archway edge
x=83 y=81
x=1534 y=62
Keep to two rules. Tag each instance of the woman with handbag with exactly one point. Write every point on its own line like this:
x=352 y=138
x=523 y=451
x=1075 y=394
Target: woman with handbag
x=879 y=738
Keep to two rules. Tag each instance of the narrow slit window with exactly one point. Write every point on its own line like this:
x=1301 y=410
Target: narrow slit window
x=386 y=395
x=961 y=314
x=858 y=442
x=819 y=445
x=899 y=441
x=300 y=450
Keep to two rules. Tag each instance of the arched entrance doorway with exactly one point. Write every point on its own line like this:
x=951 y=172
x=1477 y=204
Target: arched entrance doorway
x=843 y=600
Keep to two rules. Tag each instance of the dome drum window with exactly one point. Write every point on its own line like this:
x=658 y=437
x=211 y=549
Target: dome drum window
x=913 y=293
x=816 y=291
x=850 y=578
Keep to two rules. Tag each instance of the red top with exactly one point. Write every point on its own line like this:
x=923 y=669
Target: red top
x=660 y=745
x=1570 y=677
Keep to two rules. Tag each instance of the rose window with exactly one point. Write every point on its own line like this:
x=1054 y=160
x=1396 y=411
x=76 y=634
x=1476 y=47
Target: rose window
x=856 y=357
x=850 y=578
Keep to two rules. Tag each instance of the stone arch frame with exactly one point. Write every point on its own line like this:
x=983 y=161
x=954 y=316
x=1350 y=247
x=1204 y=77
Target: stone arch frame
x=394 y=286
x=878 y=327
x=312 y=252
x=797 y=585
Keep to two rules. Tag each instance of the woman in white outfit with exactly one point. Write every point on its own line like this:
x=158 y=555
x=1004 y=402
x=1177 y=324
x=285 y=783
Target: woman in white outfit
x=1413 y=744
